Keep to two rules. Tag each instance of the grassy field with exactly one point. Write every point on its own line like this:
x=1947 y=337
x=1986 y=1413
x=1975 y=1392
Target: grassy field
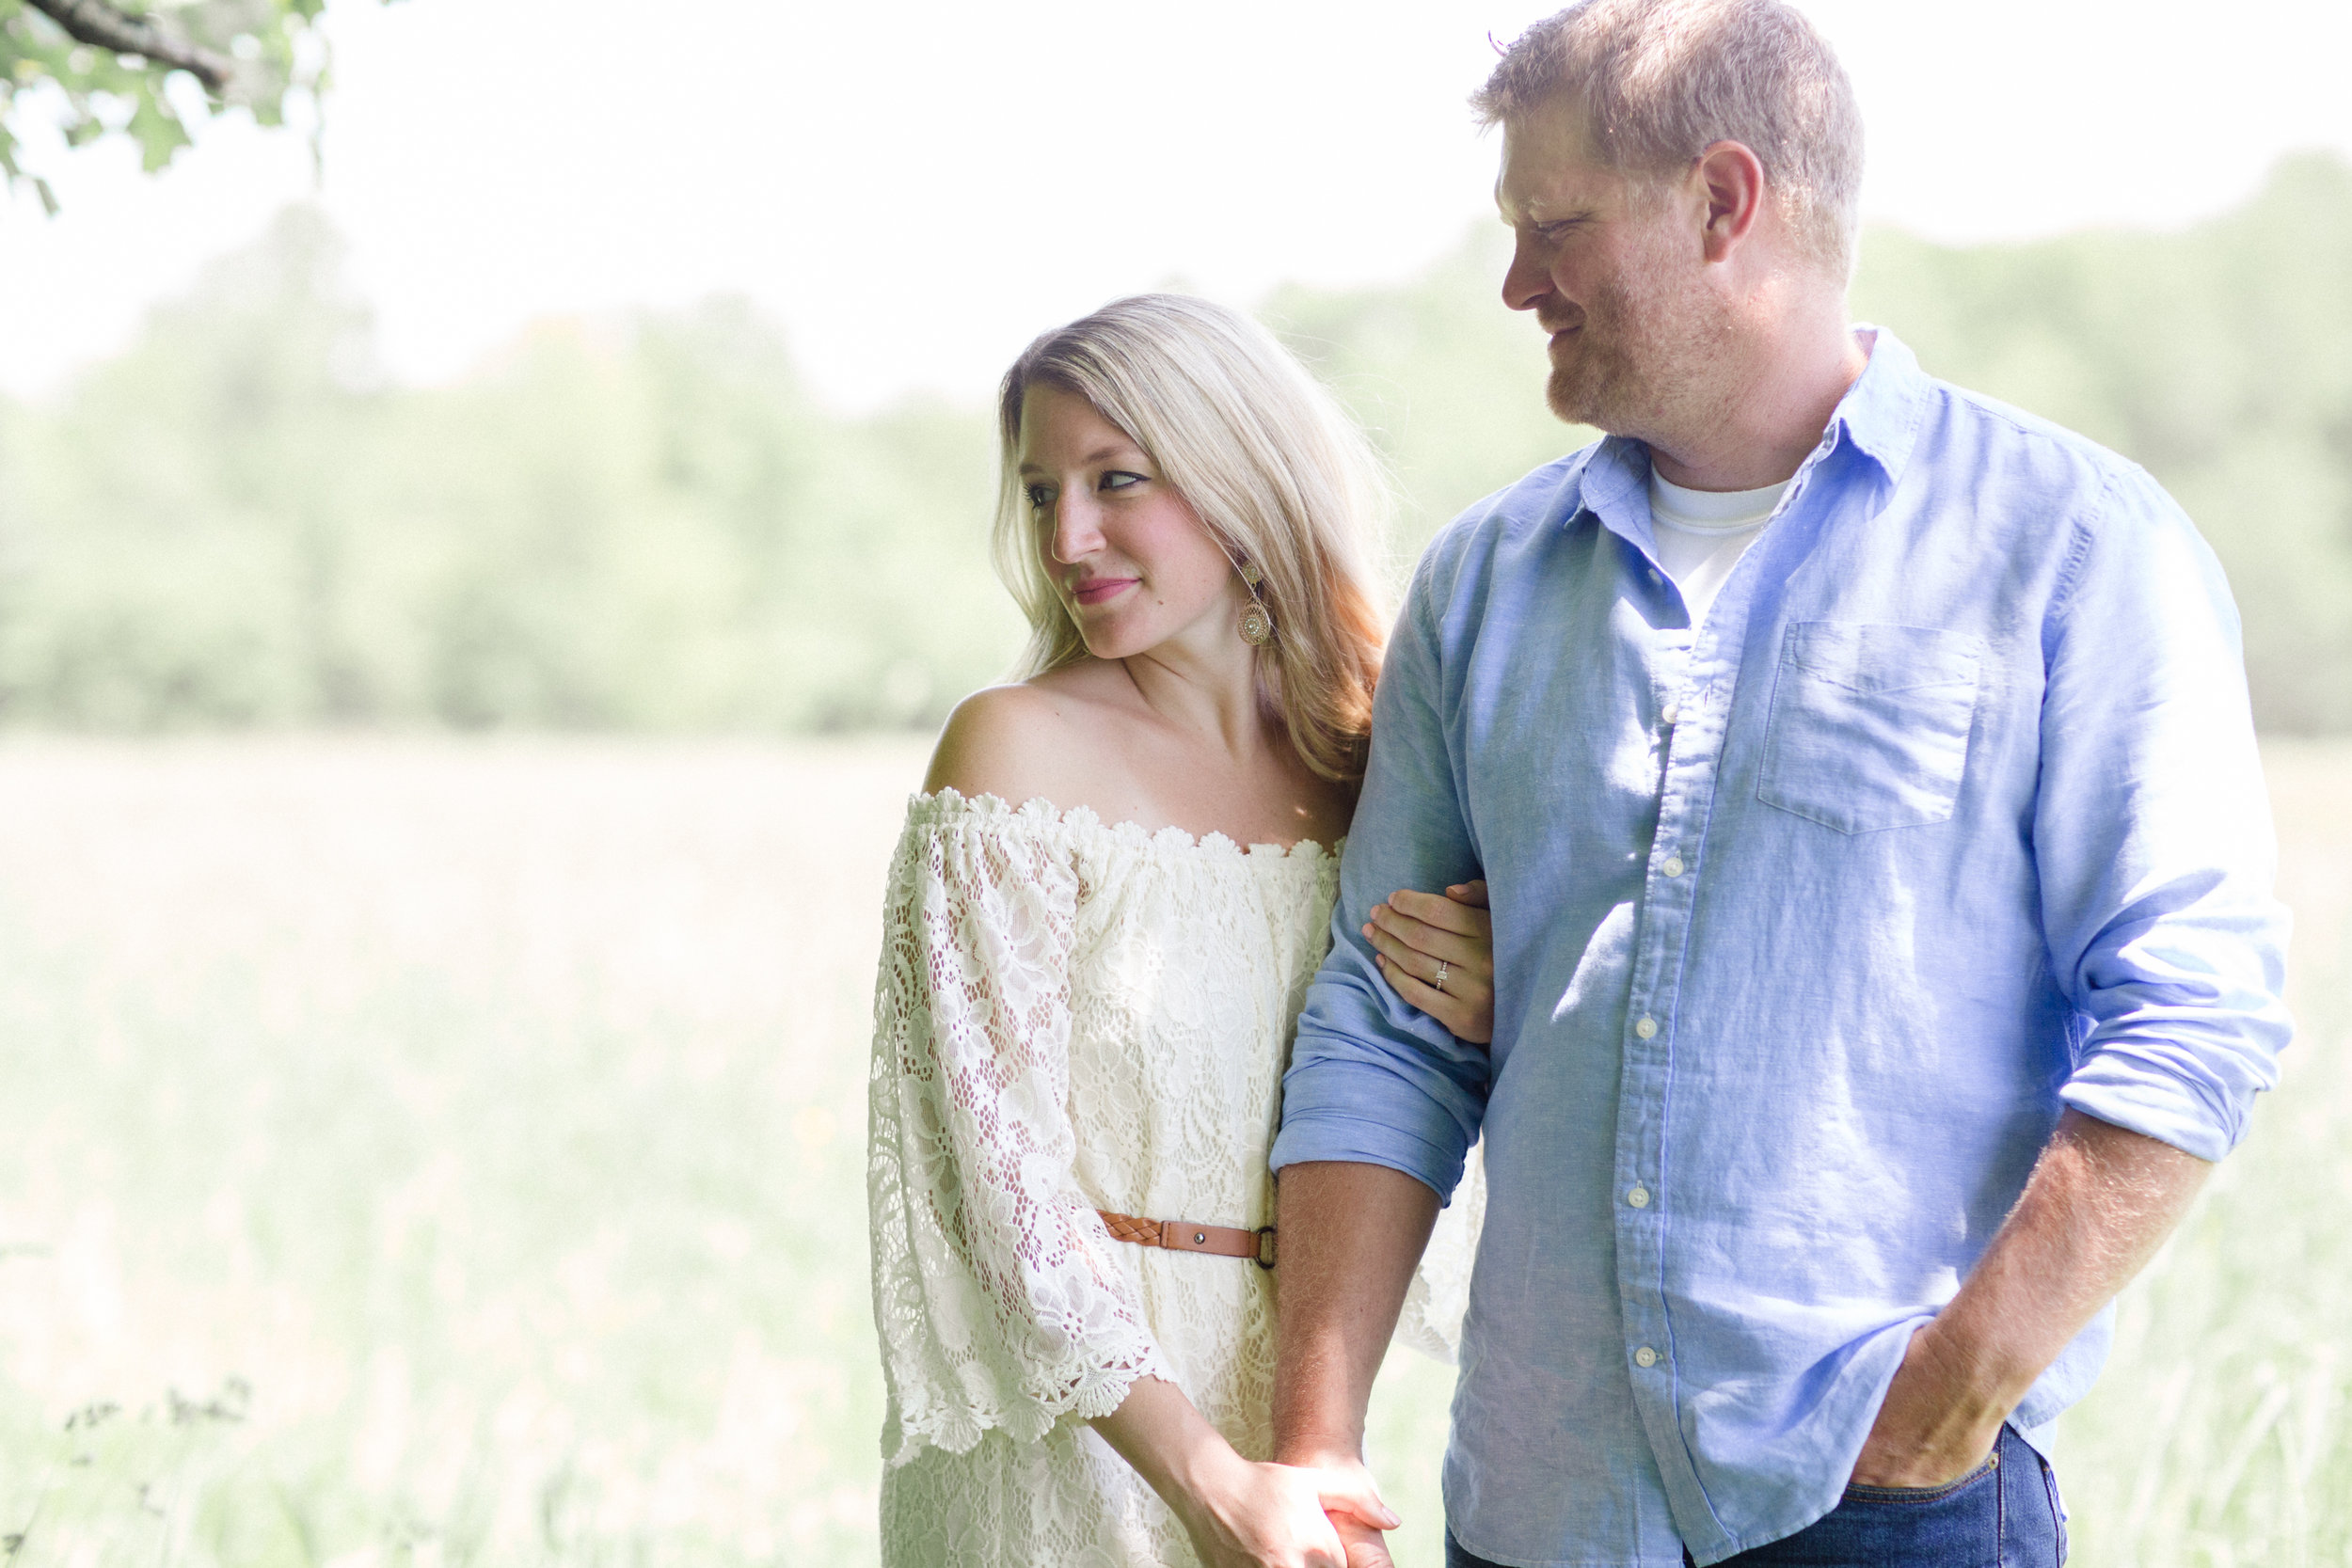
x=435 y=1153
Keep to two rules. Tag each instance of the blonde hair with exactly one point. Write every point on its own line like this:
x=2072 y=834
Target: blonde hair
x=1276 y=473
x=1661 y=80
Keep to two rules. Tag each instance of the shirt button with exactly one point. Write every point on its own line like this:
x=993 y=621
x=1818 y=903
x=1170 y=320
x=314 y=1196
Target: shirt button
x=1673 y=866
x=1646 y=1357
x=1646 y=1027
x=1639 y=1198
x=1670 y=713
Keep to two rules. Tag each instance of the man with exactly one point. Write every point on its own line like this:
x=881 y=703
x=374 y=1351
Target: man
x=1879 y=863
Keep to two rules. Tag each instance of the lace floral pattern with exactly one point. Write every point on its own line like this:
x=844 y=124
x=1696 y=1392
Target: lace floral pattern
x=1074 y=1016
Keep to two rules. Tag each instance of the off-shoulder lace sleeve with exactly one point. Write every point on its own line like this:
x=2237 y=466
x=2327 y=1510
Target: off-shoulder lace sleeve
x=997 y=1293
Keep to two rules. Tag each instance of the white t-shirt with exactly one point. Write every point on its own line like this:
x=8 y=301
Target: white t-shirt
x=1702 y=533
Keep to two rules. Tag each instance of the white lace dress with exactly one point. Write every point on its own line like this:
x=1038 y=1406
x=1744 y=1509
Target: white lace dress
x=1070 y=1017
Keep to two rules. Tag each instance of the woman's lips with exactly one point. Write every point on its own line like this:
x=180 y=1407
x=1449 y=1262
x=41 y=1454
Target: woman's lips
x=1101 y=588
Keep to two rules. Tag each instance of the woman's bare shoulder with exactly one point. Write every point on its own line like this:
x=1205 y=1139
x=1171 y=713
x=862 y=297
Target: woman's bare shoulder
x=1020 y=742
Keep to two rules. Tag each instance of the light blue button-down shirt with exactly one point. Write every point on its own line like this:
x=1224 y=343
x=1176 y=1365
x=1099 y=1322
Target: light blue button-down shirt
x=1809 y=921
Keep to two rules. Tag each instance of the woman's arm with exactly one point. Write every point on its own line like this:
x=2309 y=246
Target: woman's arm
x=999 y=1299
x=1239 y=1514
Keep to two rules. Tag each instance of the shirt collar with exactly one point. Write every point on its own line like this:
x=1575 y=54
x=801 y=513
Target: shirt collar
x=1879 y=415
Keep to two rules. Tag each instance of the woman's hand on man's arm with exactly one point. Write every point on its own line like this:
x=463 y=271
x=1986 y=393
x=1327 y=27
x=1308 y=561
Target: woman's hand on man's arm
x=1420 y=938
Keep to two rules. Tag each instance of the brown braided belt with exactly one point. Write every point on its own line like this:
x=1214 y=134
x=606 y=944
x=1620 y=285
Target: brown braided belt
x=1222 y=1241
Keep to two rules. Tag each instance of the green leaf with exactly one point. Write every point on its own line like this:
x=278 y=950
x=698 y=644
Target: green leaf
x=156 y=125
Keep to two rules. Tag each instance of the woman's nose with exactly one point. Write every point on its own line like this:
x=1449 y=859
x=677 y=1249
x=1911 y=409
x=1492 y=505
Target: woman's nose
x=1077 y=530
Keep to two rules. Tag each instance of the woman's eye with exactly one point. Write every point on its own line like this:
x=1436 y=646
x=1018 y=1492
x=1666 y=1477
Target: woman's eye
x=1039 y=496
x=1117 y=480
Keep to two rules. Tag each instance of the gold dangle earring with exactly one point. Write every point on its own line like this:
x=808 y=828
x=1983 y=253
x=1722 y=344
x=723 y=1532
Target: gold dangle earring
x=1257 y=625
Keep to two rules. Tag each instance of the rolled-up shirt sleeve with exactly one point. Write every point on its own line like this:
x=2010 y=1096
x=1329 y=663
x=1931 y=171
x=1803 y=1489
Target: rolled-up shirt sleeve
x=1373 y=1079
x=2153 y=834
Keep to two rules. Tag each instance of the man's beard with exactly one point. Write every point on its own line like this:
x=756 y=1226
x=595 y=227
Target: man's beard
x=1641 y=358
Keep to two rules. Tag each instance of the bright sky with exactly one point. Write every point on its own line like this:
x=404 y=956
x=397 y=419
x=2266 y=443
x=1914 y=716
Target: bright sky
x=915 y=190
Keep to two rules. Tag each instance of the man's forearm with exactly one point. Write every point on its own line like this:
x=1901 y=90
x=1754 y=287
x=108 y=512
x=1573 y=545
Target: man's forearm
x=1350 y=1237
x=2100 y=1202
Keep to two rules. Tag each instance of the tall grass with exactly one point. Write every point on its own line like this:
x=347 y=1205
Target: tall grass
x=493 y=1114
x=436 y=1153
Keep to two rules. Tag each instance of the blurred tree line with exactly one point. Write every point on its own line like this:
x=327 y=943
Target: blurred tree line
x=648 y=523
x=636 y=524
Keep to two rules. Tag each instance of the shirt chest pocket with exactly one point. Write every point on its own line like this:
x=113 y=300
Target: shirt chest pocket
x=1869 y=723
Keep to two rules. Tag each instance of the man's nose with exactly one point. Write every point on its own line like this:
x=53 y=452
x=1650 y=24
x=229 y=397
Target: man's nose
x=1527 y=279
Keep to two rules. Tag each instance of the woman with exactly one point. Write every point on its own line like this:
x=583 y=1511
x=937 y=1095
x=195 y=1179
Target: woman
x=1086 y=999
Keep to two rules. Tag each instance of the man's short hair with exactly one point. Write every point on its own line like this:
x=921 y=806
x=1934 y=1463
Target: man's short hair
x=1660 y=80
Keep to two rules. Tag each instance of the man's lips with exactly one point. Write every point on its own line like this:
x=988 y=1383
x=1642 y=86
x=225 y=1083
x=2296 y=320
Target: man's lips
x=1096 y=590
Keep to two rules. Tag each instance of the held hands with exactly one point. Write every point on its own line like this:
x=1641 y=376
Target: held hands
x=1253 y=1516
x=1366 y=1546
x=1420 y=937
x=1240 y=1514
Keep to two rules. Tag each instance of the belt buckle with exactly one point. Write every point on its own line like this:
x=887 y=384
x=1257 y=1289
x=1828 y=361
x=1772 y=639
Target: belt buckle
x=1265 y=1247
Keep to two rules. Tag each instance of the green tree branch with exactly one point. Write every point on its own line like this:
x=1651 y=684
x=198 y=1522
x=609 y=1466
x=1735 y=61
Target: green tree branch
x=99 y=68
x=105 y=26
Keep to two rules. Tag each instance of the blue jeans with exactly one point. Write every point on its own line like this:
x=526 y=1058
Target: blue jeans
x=2002 y=1514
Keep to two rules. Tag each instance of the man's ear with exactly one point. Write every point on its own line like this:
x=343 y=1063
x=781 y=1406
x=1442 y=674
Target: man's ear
x=1732 y=177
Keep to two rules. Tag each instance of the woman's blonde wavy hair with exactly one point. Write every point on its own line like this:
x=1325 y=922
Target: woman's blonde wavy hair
x=1278 y=475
